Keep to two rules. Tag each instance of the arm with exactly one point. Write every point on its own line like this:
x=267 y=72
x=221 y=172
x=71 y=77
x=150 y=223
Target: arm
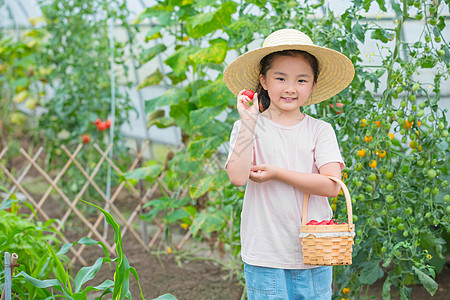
x=239 y=164
x=316 y=184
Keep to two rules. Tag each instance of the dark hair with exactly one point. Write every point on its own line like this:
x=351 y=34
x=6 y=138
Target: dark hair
x=266 y=64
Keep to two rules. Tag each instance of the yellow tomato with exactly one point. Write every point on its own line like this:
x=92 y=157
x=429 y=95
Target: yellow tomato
x=368 y=139
x=413 y=144
x=408 y=124
x=361 y=153
x=378 y=123
x=363 y=123
x=346 y=290
x=391 y=135
x=381 y=153
x=373 y=164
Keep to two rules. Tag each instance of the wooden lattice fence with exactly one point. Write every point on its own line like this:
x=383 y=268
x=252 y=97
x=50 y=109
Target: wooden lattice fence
x=129 y=219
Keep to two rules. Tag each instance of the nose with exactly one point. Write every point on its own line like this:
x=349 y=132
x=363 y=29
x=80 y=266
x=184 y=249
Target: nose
x=290 y=88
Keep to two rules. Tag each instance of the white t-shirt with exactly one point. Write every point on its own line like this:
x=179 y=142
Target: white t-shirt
x=272 y=210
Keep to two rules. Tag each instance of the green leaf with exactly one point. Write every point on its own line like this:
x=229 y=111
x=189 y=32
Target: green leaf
x=359 y=32
x=148 y=172
x=201 y=24
x=176 y=215
x=381 y=34
x=387 y=289
x=405 y=293
x=208 y=221
x=151 y=12
x=165 y=18
x=204 y=3
x=163 y=204
x=367 y=4
x=204 y=147
x=176 y=78
x=87 y=273
x=162 y=122
x=216 y=93
x=214 y=54
x=178 y=60
x=203 y=116
x=39 y=283
x=61 y=274
x=150 y=53
x=441 y=24
x=199 y=187
x=106 y=285
x=154 y=33
x=427 y=62
x=122 y=272
x=381 y=4
x=180 y=113
x=171 y=97
x=152 y=79
x=397 y=8
x=370 y=272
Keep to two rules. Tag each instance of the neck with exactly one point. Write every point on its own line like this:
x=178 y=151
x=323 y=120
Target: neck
x=284 y=117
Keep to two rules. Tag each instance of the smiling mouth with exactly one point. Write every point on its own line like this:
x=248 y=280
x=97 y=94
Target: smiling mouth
x=288 y=99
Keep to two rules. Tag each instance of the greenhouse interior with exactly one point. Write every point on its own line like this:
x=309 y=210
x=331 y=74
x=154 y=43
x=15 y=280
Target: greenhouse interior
x=119 y=132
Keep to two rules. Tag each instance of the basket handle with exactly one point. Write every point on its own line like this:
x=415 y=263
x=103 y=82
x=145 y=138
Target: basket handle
x=347 y=199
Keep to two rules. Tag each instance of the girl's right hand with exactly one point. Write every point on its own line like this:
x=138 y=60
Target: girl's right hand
x=247 y=111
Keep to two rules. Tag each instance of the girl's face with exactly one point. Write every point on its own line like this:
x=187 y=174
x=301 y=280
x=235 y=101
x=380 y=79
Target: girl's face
x=289 y=82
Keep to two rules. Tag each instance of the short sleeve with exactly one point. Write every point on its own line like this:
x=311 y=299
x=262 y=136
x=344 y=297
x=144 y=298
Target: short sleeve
x=327 y=148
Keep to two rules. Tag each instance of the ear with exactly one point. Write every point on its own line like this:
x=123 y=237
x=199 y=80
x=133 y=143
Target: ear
x=314 y=86
x=262 y=80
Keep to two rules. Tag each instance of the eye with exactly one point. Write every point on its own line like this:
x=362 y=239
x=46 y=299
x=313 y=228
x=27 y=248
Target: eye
x=280 y=79
x=302 y=81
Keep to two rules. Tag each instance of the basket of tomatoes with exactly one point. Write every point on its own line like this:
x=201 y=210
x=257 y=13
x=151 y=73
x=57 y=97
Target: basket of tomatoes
x=328 y=242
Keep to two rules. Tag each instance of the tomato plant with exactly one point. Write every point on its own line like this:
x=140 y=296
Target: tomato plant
x=22 y=81
x=393 y=133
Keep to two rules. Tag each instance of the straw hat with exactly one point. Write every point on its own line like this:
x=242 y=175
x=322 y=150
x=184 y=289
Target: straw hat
x=335 y=70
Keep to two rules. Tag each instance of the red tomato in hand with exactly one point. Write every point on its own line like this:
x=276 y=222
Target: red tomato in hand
x=249 y=93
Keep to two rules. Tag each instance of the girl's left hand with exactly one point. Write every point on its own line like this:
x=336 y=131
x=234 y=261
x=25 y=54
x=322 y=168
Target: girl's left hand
x=262 y=173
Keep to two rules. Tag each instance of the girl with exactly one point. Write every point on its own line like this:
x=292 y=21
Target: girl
x=285 y=154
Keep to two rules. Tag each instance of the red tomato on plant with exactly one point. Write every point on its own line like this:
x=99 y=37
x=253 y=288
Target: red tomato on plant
x=101 y=126
x=98 y=121
x=86 y=138
x=108 y=123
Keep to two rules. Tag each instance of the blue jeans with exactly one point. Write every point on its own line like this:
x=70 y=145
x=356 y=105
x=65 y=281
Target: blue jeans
x=269 y=283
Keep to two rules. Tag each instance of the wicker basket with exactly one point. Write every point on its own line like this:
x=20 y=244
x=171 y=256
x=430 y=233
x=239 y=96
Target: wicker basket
x=328 y=245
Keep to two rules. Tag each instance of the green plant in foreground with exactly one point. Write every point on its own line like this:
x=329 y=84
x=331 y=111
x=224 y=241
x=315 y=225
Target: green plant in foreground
x=73 y=289
x=28 y=239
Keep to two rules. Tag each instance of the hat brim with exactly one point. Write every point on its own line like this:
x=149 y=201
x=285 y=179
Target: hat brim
x=336 y=71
